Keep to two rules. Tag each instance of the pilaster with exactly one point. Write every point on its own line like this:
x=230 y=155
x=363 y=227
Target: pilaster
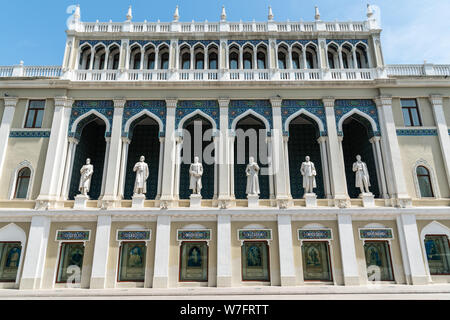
x=224 y=273
x=224 y=154
x=348 y=253
x=5 y=127
x=101 y=250
x=287 y=267
x=162 y=246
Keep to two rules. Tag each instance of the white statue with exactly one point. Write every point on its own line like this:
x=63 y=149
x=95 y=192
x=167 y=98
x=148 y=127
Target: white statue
x=196 y=172
x=252 y=171
x=362 y=179
x=141 y=169
x=309 y=175
x=86 y=175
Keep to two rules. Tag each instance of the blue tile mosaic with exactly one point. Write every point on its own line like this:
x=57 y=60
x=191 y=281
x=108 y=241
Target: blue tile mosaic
x=143 y=43
x=238 y=107
x=367 y=106
x=133 y=107
x=186 y=107
x=29 y=134
x=291 y=42
x=352 y=41
x=417 y=132
x=253 y=42
x=105 y=42
x=81 y=107
x=289 y=107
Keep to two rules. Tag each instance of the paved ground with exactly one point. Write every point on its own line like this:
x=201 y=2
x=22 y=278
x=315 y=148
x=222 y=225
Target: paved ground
x=390 y=292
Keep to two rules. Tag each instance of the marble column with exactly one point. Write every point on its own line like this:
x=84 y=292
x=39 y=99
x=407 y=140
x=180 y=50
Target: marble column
x=33 y=267
x=101 y=249
x=326 y=174
x=224 y=154
x=123 y=166
x=224 y=272
x=380 y=167
x=69 y=167
x=160 y=166
x=108 y=144
x=5 y=127
x=348 y=253
x=162 y=248
x=287 y=267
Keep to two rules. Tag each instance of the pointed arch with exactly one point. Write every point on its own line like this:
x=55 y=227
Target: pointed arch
x=434 y=227
x=194 y=113
x=434 y=185
x=253 y=113
x=307 y=113
x=13 y=183
x=87 y=114
x=140 y=114
x=12 y=232
x=360 y=113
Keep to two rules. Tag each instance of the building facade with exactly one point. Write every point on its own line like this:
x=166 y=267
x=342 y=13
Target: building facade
x=224 y=92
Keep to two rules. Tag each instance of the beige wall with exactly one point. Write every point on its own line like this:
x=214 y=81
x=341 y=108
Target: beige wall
x=174 y=257
x=420 y=225
x=274 y=254
x=113 y=255
x=53 y=248
x=423 y=147
x=396 y=256
x=335 y=251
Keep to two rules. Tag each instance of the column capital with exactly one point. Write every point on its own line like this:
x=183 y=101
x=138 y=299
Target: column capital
x=383 y=100
x=224 y=102
x=328 y=102
x=11 y=101
x=73 y=140
x=374 y=139
x=126 y=140
x=435 y=99
x=119 y=102
x=322 y=139
x=63 y=101
x=171 y=103
x=276 y=101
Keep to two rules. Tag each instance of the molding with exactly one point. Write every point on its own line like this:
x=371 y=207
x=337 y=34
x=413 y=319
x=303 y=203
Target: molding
x=434 y=184
x=10 y=101
x=13 y=181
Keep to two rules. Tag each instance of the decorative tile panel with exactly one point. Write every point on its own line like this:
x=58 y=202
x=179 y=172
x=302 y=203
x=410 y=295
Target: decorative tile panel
x=105 y=42
x=291 y=42
x=253 y=42
x=314 y=234
x=133 y=107
x=289 y=107
x=417 y=132
x=385 y=233
x=81 y=107
x=352 y=41
x=29 y=134
x=65 y=235
x=254 y=234
x=186 y=107
x=205 y=43
x=367 y=106
x=156 y=43
x=133 y=235
x=238 y=107
x=193 y=235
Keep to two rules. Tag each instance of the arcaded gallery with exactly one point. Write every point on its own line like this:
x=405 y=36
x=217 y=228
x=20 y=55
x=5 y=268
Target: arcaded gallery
x=224 y=154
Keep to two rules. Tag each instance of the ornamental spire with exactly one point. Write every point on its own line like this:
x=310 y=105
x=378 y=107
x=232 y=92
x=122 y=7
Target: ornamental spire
x=77 y=14
x=270 y=15
x=129 y=14
x=176 y=15
x=369 y=11
x=317 y=16
x=223 y=16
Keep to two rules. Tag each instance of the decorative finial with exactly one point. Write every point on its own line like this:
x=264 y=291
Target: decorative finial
x=369 y=11
x=21 y=62
x=176 y=16
x=317 y=16
x=77 y=14
x=129 y=14
x=270 y=15
x=223 y=16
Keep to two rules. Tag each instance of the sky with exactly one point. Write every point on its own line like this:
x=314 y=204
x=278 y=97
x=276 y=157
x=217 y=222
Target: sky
x=413 y=30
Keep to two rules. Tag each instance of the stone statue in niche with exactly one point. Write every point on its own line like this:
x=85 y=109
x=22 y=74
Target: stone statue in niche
x=86 y=176
x=252 y=171
x=308 y=171
x=142 y=173
x=362 y=179
x=196 y=172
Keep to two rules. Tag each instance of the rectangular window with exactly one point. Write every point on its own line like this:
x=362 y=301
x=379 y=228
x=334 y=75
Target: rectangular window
x=9 y=260
x=35 y=114
x=194 y=261
x=378 y=261
x=316 y=261
x=255 y=261
x=70 y=260
x=410 y=111
x=438 y=254
x=132 y=262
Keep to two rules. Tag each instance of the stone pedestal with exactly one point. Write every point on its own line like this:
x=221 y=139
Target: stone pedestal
x=138 y=201
x=80 y=201
x=368 y=199
x=311 y=200
x=253 y=200
x=196 y=200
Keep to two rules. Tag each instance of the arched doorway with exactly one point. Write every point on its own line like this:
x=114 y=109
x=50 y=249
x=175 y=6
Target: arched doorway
x=197 y=142
x=303 y=135
x=144 y=136
x=250 y=141
x=92 y=145
x=357 y=131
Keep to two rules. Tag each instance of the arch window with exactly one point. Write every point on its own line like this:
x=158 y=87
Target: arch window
x=164 y=64
x=331 y=61
x=186 y=61
x=22 y=183
x=234 y=60
x=261 y=60
x=438 y=254
x=281 y=60
x=424 y=180
x=137 y=61
x=295 y=60
x=151 y=61
x=248 y=60
x=212 y=61
x=309 y=60
x=199 y=61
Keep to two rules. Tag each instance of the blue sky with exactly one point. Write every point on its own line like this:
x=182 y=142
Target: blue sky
x=413 y=30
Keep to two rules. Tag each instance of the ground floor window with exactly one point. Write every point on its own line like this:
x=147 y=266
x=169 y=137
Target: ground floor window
x=194 y=261
x=70 y=260
x=255 y=261
x=378 y=261
x=438 y=254
x=316 y=261
x=9 y=260
x=132 y=262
